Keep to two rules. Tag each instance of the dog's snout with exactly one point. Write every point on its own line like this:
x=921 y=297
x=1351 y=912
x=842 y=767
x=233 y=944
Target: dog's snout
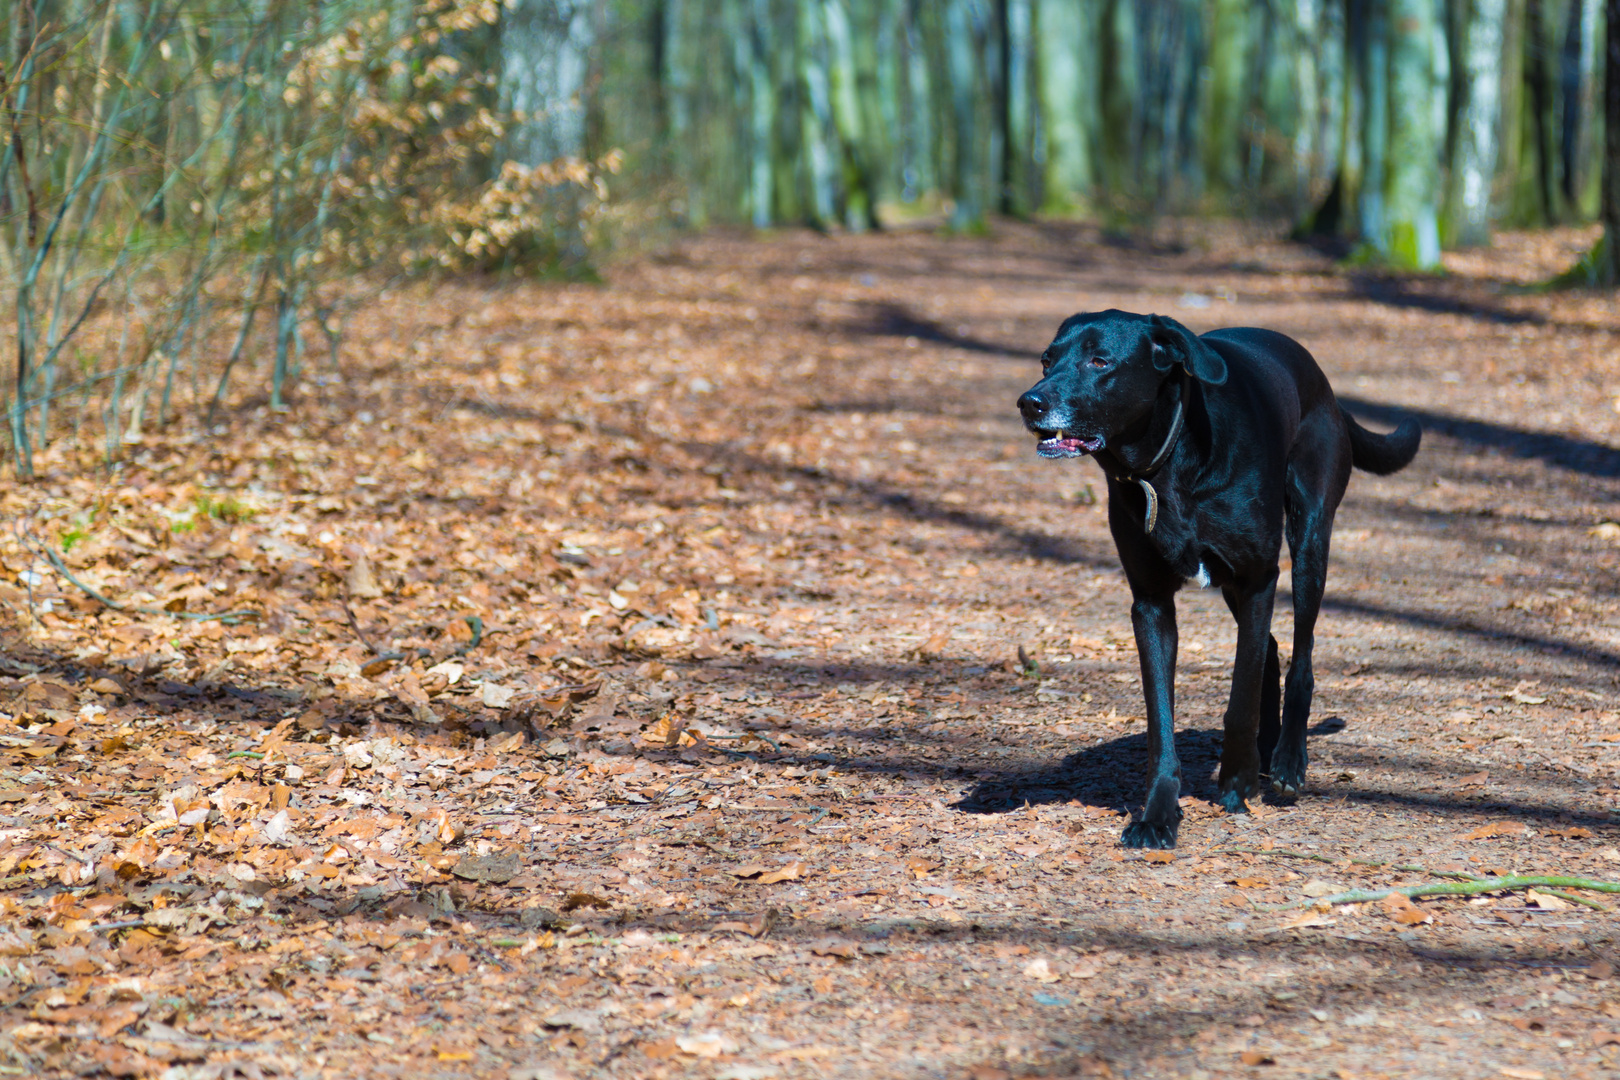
x=1033 y=406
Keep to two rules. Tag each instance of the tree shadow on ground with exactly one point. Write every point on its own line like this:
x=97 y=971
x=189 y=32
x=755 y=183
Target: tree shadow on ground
x=1138 y=1039
x=1577 y=455
x=888 y=318
x=1435 y=296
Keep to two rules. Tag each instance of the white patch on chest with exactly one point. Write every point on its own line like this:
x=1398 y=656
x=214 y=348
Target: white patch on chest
x=1202 y=578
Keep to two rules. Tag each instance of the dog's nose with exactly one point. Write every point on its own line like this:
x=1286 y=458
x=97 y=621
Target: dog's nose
x=1033 y=406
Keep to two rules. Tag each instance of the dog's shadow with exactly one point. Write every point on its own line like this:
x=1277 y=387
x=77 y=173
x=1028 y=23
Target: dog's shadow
x=1111 y=774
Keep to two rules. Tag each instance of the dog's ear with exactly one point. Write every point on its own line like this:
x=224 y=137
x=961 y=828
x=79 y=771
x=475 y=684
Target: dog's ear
x=1175 y=344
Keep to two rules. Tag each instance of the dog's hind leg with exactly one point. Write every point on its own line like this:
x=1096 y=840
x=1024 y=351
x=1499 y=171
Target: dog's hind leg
x=1240 y=752
x=1154 y=620
x=1312 y=501
x=1270 y=704
x=1288 y=761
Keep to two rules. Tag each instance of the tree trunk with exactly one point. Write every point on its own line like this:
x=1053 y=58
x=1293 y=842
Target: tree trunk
x=545 y=55
x=967 y=181
x=1066 y=52
x=1474 y=143
x=675 y=77
x=1579 y=105
x=1121 y=97
x=1018 y=113
x=1412 y=186
x=1228 y=96
x=1306 y=149
x=859 y=184
x=1338 y=214
x=877 y=74
x=1374 y=76
x=919 y=174
x=545 y=58
x=1607 y=257
x=762 y=113
x=816 y=115
x=1542 y=83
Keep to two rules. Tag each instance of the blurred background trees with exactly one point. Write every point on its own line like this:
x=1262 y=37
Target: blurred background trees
x=186 y=186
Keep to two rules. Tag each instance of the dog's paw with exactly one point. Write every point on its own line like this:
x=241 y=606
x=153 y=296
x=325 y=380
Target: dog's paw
x=1147 y=834
x=1233 y=802
x=1288 y=773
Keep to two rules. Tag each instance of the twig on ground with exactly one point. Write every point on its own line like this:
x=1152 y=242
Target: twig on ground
x=229 y=618
x=1582 y=900
x=474 y=623
x=748 y=735
x=354 y=624
x=1403 y=867
x=1510 y=883
x=77 y=857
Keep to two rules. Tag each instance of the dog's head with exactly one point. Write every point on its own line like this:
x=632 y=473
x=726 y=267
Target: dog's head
x=1102 y=374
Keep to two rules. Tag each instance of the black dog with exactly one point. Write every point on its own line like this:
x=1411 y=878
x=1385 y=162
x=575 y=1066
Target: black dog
x=1215 y=447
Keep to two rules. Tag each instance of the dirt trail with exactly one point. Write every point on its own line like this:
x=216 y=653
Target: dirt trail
x=710 y=753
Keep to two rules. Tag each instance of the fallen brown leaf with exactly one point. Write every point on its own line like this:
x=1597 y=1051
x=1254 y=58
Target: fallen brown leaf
x=576 y=900
x=791 y=872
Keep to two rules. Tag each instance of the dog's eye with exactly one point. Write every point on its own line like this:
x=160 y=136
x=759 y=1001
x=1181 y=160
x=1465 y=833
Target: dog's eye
x=1046 y=361
x=1097 y=362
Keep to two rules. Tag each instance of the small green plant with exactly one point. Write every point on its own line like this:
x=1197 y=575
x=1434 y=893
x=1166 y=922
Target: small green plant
x=228 y=509
x=79 y=531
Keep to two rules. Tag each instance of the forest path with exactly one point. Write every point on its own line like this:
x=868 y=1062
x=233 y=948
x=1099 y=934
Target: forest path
x=767 y=506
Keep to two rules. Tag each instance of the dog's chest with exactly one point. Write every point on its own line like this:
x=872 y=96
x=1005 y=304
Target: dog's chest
x=1201 y=548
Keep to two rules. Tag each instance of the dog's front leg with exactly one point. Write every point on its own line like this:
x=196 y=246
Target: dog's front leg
x=1154 y=620
x=1240 y=755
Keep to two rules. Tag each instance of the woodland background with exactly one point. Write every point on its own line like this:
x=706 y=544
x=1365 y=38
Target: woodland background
x=187 y=186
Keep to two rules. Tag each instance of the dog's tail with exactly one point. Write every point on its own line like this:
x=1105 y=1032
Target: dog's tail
x=1383 y=454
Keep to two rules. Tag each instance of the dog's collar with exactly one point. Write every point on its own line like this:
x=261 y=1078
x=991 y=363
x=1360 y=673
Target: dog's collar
x=1140 y=477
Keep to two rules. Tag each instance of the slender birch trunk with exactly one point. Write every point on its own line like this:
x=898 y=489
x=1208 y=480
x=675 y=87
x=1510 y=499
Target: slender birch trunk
x=919 y=171
x=1412 y=184
x=967 y=179
x=762 y=112
x=1067 y=55
x=816 y=115
x=1375 y=126
x=1019 y=114
x=1607 y=257
x=1227 y=99
x=1474 y=143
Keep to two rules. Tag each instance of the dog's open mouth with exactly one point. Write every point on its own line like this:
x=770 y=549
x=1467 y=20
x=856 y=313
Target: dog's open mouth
x=1064 y=444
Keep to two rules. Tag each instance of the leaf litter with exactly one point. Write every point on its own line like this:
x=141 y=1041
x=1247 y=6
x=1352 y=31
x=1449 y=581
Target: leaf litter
x=694 y=676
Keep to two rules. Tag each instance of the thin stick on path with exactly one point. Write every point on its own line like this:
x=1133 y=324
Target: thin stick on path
x=229 y=618
x=1475 y=887
x=1405 y=868
x=474 y=624
x=1552 y=885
